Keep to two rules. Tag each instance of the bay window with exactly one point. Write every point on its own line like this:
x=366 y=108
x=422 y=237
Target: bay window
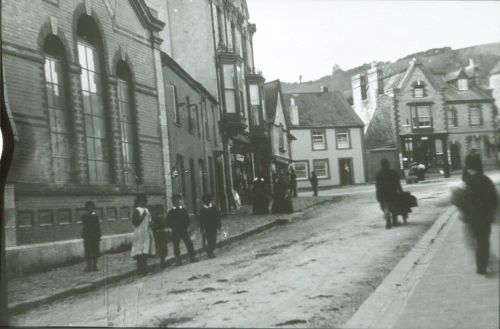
x=233 y=89
x=255 y=106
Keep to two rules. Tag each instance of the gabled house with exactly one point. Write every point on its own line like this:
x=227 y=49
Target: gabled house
x=330 y=139
x=436 y=118
x=279 y=127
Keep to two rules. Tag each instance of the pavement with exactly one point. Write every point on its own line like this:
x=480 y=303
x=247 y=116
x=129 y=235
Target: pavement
x=29 y=291
x=436 y=284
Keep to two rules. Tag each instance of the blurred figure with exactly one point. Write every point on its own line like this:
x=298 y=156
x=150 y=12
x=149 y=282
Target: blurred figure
x=142 y=238
x=91 y=235
x=479 y=209
x=314 y=183
x=260 y=200
x=388 y=187
x=282 y=201
x=210 y=222
x=293 y=182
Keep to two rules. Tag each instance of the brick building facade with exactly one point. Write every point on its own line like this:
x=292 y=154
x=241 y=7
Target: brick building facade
x=82 y=84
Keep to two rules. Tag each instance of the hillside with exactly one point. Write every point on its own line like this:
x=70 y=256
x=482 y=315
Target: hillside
x=437 y=59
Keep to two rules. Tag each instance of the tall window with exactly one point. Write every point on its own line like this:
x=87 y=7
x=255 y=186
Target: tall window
x=181 y=175
x=475 y=115
x=220 y=26
x=197 y=110
x=127 y=126
x=452 y=118
x=93 y=105
x=364 y=87
x=318 y=140
x=422 y=117
x=342 y=138
x=204 y=114
x=233 y=89
x=215 y=120
x=321 y=168
x=203 y=175
x=233 y=38
x=173 y=92
x=59 y=134
x=255 y=104
x=211 y=174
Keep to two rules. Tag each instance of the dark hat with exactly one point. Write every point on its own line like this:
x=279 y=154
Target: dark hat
x=473 y=161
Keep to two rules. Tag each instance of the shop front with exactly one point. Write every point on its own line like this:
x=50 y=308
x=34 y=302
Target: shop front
x=430 y=149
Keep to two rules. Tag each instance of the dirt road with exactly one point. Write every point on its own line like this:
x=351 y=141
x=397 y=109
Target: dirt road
x=313 y=272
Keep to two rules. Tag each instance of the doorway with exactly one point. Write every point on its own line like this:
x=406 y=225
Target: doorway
x=455 y=155
x=345 y=171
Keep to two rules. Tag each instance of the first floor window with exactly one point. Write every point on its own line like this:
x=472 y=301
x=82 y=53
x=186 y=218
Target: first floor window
x=342 y=138
x=282 y=137
x=301 y=170
x=422 y=116
x=318 y=140
x=181 y=177
x=233 y=89
x=321 y=168
x=173 y=92
x=475 y=115
x=255 y=104
x=452 y=118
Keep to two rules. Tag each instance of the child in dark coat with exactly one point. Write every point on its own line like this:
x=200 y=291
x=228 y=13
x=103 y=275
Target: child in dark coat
x=210 y=223
x=91 y=234
x=178 y=221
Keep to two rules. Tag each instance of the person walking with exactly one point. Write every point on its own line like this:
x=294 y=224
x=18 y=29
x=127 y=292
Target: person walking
x=91 y=235
x=209 y=222
x=481 y=200
x=388 y=187
x=293 y=182
x=314 y=183
x=142 y=238
x=178 y=221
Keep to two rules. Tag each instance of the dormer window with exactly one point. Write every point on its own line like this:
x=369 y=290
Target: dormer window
x=463 y=84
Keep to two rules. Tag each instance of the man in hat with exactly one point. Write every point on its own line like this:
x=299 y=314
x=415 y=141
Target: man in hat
x=479 y=211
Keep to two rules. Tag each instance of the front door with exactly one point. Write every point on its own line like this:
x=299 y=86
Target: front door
x=346 y=173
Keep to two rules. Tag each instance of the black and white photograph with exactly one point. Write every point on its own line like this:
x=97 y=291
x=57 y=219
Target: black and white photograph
x=250 y=164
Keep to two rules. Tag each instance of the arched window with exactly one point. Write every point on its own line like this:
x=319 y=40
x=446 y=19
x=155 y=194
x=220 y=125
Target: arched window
x=92 y=79
x=127 y=123
x=56 y=103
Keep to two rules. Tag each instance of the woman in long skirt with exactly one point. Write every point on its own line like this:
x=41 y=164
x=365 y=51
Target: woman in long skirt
x=142 y=239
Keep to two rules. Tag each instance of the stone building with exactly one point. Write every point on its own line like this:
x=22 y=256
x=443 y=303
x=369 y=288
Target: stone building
x=212 y=41
x=329 y=139
x=434 y=118
x=82 y=79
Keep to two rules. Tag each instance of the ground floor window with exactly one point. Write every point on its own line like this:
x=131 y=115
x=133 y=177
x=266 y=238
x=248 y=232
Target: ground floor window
x=301 y=169
x=321 y=168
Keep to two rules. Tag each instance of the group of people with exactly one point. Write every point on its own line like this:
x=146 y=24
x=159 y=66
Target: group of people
x=477 y=202
x=151 y=231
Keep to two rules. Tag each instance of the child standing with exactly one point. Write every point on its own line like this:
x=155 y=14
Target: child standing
x=210 y=223
x=91 y=234
x=178 y=221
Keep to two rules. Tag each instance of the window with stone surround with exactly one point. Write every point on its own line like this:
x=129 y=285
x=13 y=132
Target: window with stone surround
x=92 y=81
x=128 y=128
x=475 y=115
x=452 y=117
x=55 y=85
x=421 y=116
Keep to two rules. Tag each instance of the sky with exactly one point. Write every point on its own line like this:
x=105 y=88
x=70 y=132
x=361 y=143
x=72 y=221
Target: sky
x=307 y=37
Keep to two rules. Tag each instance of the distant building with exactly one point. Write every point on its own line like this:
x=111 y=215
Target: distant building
x=431 y=118
x=330 y=139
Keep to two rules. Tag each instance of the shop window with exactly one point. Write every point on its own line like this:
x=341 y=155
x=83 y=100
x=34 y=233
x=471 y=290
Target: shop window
x=321 y=168
x=111 y=214
x=301 y=170
x=45 y=217
x=64 y=216
x=125 y=213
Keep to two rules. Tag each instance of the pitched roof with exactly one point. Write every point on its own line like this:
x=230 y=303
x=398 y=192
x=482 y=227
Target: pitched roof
x=324 y=109
x=472 y=94
x=495 y=69
x=272 y=90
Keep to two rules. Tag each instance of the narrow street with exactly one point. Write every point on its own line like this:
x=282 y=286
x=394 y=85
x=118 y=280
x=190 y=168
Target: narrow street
x=313 y=272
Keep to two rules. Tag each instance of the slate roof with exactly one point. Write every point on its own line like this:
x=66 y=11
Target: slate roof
x=324 y=109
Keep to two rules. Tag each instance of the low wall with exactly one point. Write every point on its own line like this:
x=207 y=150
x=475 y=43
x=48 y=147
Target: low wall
x=42 y=256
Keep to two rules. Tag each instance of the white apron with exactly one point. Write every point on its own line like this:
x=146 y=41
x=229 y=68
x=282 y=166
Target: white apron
x=142 y=239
